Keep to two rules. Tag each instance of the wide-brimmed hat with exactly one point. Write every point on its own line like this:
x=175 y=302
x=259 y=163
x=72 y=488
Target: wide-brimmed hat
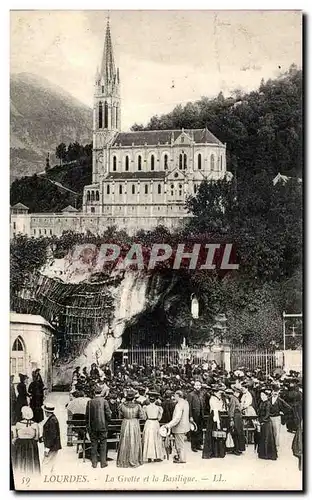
x=218 y=387
x=153 y=394
x=228 y=390
x=236 y=388
x=193 y=426
x=164 y=431
x=48 y=407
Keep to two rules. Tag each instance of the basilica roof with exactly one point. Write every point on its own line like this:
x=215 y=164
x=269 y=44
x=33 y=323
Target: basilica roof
x=163 y=137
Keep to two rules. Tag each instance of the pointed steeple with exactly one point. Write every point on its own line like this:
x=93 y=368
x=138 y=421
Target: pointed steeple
x=108 y=68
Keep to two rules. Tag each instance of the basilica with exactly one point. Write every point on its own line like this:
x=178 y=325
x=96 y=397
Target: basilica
x=139 y=179
x=145 y=175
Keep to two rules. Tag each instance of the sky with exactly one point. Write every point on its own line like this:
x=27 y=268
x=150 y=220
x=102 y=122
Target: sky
x=165 y=57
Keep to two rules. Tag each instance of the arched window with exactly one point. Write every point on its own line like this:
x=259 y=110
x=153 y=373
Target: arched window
x=152 y=162
x=97 y=196
x=105 y=115
x=212 y=162
x=18 y=356
x=108 y=189
x=88 y=195
x=127 y=163
x=112 y=117
x=185 y=161
x=180 y=161
x=180 y=189
x=102 y=89
x=199 y=161
x=139 y=162
x=159 y=188
x=100 y=115
x=92 y=195
x=146 y=188
x=114 y=163
x=120 y=188
x=133 y=188
x=166 y=162
x=18 y=344
x=172 y=189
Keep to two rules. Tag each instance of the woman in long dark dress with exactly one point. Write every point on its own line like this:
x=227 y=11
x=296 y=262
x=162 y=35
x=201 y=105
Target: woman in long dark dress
x=21 y=399
x=266 y=447
x=236 y=421
x=130 y=444
x=36 y=393
x=216 y=426
x=25 y=455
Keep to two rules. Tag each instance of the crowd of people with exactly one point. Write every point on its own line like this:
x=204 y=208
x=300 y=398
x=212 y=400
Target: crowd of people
x=203 y=404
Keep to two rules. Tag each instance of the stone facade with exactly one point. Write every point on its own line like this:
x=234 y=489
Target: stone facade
x=139 y=179
x=31 y=346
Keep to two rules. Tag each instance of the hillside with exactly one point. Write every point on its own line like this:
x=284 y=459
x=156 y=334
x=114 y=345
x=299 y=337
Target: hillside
x=262 y=129
x=42 y=116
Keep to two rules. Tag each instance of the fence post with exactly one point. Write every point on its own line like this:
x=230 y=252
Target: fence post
x=154 y=356
x=266 y=362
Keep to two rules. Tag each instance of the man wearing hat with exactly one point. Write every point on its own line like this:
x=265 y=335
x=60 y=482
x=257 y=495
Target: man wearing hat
x=50 y=436
x=98 y=414
x=196 y=416
x=180 y=425
x=168 y=406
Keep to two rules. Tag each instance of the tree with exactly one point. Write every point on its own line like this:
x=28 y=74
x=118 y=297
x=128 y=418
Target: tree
x=61 y=152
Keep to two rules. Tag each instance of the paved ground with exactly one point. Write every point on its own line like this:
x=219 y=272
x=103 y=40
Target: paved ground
x=245 y=472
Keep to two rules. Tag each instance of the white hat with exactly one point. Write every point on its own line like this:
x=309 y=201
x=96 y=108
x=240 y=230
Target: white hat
x=27 y=413
x=48 y=407
x=164 y=431
x=193 y=426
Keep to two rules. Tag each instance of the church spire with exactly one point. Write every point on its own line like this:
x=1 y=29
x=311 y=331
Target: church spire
x=108 y=68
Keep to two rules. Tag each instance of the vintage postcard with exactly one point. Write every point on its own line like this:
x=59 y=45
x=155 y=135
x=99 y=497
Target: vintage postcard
x=156 y=250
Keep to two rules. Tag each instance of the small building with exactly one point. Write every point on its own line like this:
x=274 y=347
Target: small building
x=30 y=346
x=20 y=220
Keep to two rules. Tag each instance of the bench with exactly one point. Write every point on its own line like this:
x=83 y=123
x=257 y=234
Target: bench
x=73 y=426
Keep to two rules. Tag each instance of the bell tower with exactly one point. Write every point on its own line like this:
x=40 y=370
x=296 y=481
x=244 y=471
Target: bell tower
x=106 y=108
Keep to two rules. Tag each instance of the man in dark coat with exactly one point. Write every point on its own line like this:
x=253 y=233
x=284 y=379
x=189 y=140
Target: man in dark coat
x=98 y=414
x=168 y=406
x=51 y=437
x=196 y=416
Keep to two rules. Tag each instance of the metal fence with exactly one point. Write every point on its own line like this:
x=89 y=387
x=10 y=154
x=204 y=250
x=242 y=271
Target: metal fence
x=249 y=359
x=158 y=356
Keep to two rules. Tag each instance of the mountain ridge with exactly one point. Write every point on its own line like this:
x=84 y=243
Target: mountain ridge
x=42 y=115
